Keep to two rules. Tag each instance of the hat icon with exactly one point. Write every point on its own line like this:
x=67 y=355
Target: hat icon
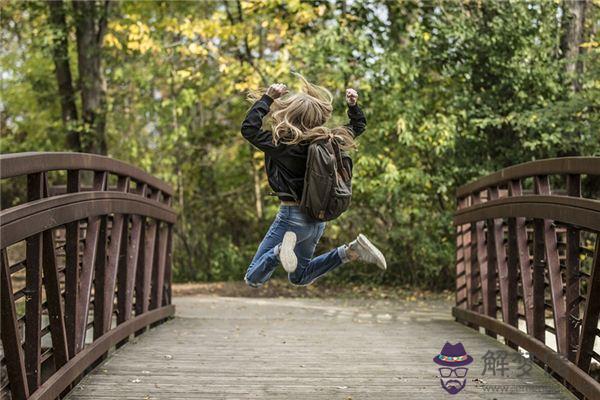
x=453 y=355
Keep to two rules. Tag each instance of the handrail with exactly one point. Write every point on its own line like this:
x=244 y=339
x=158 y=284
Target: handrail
x=123 y=273
x=495 y=207
x=19 y=224
x=550 y=166
x=19 y=164
x=570 y=210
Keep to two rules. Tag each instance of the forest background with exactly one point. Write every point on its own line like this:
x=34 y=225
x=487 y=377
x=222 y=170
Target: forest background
x=452 y=90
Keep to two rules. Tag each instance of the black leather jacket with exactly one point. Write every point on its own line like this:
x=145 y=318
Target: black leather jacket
x=285 y=164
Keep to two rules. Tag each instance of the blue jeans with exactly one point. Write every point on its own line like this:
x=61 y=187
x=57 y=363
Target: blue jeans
x=308 y=233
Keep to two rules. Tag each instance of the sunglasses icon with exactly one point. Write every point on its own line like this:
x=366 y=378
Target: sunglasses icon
x=458 y=372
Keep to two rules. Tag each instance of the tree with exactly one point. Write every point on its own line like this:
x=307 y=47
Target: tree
x=91 y=18
x=574 y=11
x=66 y=92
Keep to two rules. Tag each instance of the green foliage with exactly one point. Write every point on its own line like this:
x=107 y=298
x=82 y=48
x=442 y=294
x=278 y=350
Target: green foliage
x=452 y=91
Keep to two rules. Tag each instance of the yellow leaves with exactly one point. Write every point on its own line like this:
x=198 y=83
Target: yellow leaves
x=184 y=73
x=590 y=44
x=111 y=40
x=194 y=49
x=250 y=82
x=400 y=125
x=189 y=29
x=138 y=38
x=321 y=10
x=426 y=36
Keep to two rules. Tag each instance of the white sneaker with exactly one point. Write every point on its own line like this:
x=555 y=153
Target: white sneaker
x=286 y=252
x=367 y=251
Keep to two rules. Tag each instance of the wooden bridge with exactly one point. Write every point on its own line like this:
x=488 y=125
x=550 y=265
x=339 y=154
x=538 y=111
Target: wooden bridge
x=87 y=310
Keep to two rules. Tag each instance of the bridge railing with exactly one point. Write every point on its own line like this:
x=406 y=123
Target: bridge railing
x=528 y=263
x=85 y=263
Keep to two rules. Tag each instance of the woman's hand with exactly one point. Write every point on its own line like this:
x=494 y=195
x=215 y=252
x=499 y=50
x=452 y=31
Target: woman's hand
x=276 y=90
x=351 y=96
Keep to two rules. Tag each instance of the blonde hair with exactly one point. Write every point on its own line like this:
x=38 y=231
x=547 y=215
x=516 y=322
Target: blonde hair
x=301 y=116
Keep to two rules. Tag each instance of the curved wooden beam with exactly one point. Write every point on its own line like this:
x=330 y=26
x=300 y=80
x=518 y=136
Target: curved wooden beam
x=571 y=210
x=564 y=165
x=18 y=164
x=20 y=222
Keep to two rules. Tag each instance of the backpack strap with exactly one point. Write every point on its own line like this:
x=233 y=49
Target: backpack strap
x=338 y=156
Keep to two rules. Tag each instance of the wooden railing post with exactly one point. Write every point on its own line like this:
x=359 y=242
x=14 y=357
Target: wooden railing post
x=518 y=258
x=33 y=291
x=542 y=186
x=71 y=267
x=462 y=286
x=572 y=274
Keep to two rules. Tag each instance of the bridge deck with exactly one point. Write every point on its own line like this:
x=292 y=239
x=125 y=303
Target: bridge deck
x=239 y=348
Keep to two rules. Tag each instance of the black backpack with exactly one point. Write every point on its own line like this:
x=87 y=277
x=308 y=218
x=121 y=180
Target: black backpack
x=327 y=182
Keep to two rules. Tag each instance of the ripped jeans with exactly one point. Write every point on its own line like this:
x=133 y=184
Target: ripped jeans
x=308 y=233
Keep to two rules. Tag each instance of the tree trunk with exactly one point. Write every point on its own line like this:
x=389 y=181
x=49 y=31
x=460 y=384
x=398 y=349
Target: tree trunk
x=572 y=39
x=60 y=54
x=90 y=21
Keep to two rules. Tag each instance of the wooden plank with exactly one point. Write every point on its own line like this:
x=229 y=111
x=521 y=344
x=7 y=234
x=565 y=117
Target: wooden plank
x=11 y=337
x=71 y=267
x=518 y=256
x=54 y=301
x=128 y=277
x=167 y=298
x=33 y=294
x=53 y=296
x=139 y=276
x=87 y=267
x=556 y=283
x=101 y=292
x=572 y=291
x=150 y=261
x=150 y=256
x=507 y=276
x=475 y=272
x=538 y=276
x=487 y=274
x=123 y=275
x=589 y=326
x=158 y=279
x=466 y=247
x=105 y=303
x=490 y=279
x=460 y=295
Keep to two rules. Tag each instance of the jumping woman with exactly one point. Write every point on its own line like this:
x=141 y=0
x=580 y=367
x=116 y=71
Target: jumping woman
x=298 y=119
